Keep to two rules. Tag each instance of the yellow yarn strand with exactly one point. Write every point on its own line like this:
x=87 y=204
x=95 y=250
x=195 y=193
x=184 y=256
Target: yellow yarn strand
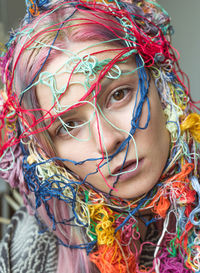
x=105 y=221
x=192 y=123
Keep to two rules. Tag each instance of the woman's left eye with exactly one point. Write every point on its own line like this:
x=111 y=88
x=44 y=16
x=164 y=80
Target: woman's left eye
x=118 y=95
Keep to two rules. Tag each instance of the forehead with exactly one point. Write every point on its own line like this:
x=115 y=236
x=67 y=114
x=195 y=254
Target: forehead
x=71 y=74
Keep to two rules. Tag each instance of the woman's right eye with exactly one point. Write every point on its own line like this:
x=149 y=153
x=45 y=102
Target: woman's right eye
x=68 y=128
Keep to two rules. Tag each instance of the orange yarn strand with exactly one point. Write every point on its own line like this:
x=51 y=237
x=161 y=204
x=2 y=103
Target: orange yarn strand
x=33 y=9
x=162 y=206
x=179 y=186
x=114 y=259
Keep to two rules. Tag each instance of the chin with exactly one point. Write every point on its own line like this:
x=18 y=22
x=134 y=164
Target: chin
x=128 y=195
x=133 y=191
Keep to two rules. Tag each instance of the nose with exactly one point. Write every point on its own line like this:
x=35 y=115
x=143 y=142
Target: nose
x=106 y=137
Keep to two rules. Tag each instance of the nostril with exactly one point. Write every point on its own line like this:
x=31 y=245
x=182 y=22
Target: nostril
x=111 y=145
x=107 y=137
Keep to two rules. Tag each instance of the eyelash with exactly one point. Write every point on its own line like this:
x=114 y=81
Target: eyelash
x=108 y=105
x=69 y=128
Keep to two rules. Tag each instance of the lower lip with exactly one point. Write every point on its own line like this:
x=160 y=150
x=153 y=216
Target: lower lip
x=128 y=175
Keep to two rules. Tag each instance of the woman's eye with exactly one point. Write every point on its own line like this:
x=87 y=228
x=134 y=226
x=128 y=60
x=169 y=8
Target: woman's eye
x=118 y=96
x=68 y=126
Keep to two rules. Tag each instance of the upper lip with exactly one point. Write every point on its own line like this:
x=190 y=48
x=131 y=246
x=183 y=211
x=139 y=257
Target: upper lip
x=127 y=164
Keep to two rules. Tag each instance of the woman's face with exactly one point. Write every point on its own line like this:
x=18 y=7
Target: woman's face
x=100 y=133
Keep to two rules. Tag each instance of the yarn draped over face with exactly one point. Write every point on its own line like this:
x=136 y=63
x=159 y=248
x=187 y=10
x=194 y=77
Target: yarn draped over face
x=106 y=227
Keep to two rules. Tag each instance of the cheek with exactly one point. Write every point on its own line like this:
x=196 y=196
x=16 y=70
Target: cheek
x=122 y=119
x=77 y=151
x=155 y=137
x=73 y=150
x=159 y=136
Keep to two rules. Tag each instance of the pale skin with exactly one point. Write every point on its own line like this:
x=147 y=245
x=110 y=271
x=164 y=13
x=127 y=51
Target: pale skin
x=116 y=102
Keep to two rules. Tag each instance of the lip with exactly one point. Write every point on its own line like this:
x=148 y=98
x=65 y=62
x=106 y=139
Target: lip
x=129 y=165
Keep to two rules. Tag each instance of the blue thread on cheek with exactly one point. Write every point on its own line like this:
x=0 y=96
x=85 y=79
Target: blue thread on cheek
x=137 y=111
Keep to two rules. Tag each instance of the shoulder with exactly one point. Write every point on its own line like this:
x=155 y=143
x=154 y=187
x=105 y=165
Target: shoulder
x=24 y=250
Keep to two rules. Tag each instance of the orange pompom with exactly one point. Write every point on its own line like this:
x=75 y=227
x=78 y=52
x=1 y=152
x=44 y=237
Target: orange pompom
x=162 y=206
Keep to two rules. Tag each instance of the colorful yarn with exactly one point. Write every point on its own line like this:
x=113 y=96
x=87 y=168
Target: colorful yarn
x=32 y=7
x=110 y=226
x=10 y=167
x=162 y=206
x=103 y=220
x=192 y=124
x=172 y=264
x=114 y=259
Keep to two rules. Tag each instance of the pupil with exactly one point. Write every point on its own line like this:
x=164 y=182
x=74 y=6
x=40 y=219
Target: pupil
x=70 y=123
x=118 y=95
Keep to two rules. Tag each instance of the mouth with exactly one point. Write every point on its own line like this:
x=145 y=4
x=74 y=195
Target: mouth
x=130 y=169
x=126 y=166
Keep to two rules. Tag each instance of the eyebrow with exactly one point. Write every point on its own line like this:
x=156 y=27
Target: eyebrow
x=106 y=81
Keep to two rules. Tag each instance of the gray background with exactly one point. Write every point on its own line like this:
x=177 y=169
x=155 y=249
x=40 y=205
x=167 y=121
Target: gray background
x=185 y=16
x=185 y=19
